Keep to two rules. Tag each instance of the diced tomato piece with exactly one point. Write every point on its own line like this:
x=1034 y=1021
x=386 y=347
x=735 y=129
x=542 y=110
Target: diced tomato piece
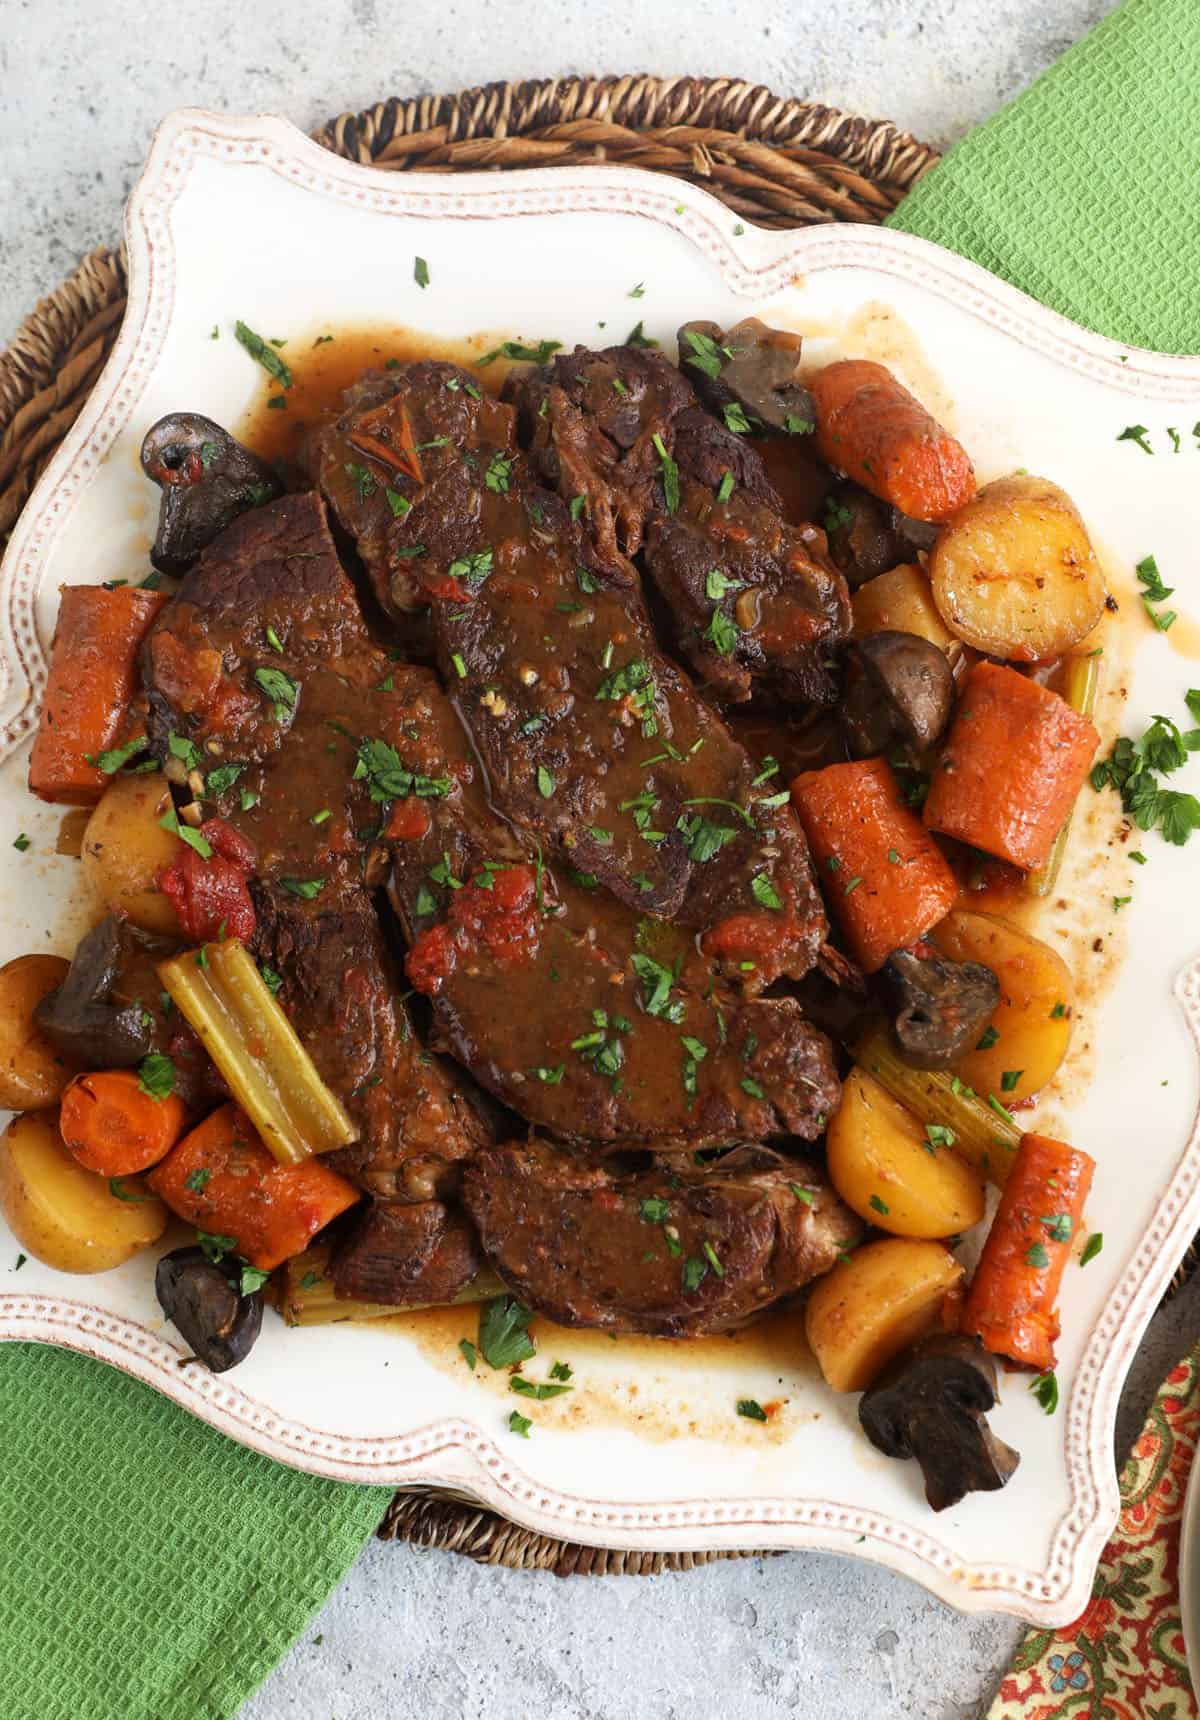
x=409 y=821
x=431 y=960
x=210 y=894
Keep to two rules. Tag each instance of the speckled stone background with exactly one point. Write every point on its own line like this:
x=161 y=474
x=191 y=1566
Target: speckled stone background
x=81 y=87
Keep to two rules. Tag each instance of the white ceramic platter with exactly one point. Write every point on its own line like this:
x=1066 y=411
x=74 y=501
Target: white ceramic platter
x=246 y=218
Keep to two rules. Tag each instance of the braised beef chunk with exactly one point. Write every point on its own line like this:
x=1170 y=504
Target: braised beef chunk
x=589 y=1022
x=598 y=425
x=411 y=1255
x=747 y=376
x=668 y=1255
x=342 y=995
x=754 y=601
x=406 y=468
x=263 y=666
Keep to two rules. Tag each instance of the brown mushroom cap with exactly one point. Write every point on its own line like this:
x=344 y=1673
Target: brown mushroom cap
x=931 y=1402
x=757 y=372
x=207 y=479
x=79 y=1017
x=898 y=687
x=202 y=1299
x=941 y=1006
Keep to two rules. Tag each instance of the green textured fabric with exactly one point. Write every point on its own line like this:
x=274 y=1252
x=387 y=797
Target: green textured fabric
x=1084 y=192
x=150 y=1569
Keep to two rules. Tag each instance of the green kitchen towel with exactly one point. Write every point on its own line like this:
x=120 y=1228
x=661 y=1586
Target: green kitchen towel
x=1085 y=192
x=150 y=1569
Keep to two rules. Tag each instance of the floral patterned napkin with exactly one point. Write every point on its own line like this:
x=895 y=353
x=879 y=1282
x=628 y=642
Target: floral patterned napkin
x=1124 y=1659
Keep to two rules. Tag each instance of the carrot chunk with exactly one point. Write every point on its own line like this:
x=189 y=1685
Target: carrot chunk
x=1010 y=768
x=1012 y=1303
x=886 y=880
x=223 y=1180
x=114 y=1126
x=93 y=674
x=872 y=428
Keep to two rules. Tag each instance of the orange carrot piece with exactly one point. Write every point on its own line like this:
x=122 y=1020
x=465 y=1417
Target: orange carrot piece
x=93 y=675
x=113 y=1126
x=886 y=880
x=872 y=428
x=1012 y=1303
x=222 y=1179
x=1010 y=768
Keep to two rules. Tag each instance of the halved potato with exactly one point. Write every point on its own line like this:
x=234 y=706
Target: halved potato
x=901 y=600
x=64 y=1215
x=1028 y=1035
x=1014 y=573
x=125 y=848
x=32 y=1073
x=882 y=1165
x=879 y=1300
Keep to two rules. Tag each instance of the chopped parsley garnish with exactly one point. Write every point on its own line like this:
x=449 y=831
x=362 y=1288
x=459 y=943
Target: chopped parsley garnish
x=460 y=667
x=878 y=1205
x=380 y=767
x=805 y=1195
x=280 y=689
x=1154 y=591
x=118 y=1190
x=1009 y=1079
x=764 y=892
x=602 y=1049
x=1036 y=1255
x=474 y=569
x=1131 y=769
x=938 y=1135
x=798 y=426
x=1058 y=1226
x=220 y=780
x=193 y=838
x=725 y=487
x=156 y=1075
x=420 y=271
x=498 y=474
x=545 y=782
x=751 y=1410
x=197 y=1180
x=837 y=516
x=669 y=472
x=21 y=843
x=1045 y=1390
x=705 y=354
x=722 y=633
x=637 y=336
x=748 y=1085
x=694 y=1273
x=400 y=505
x=520 y=353
x=987 y=1039
x=1057 y=1013
x=1139 y=434
x=1092 y=1247
x=657 y=980
x=264 y=353
x=503 y=1335
x=215 y=1247
x=638 y=292
x=469 y=1353
x=550 y=1077
x=694 y=1053
x=710 y=1254
x=717 y=584
x=560 y=1371
x=703 y=838
x=305 y=888
x=112 y=760
x=518 y=1423
x=272 y=980
x=736 y=420
x=539 y=1391
x=635 y=682
x=654 y=1210
x=252 y=1279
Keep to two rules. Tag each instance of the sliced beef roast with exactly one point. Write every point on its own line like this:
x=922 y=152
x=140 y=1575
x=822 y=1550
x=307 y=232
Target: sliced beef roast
x=413 y=1254
x=669 y=1255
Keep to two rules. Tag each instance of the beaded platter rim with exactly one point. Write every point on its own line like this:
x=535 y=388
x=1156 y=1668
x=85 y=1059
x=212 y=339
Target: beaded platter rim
x=457 y=1453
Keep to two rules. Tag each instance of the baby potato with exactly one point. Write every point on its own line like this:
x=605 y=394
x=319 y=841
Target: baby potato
x=901 y=600
x=882 y=1166
x=1014 y=572
x=32 y=1073
x=874 y=1304
x=125 y=848
x=1029 y=1033
x=65 y=1215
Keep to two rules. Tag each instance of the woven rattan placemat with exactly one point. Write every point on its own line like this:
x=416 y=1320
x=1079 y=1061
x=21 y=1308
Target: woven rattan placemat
x=780 y=163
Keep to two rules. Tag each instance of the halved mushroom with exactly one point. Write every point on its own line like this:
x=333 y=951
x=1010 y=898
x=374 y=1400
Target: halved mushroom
x=941 y=1006
x=751 y=367
x=864 y=538
x=917 y=534
x=931 y=1403
x=204 y=1300
x=207 y=479
x=80 y=1018
x=899 y=687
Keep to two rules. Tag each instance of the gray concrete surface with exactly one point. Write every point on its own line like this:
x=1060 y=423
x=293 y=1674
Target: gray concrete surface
x=81 y=86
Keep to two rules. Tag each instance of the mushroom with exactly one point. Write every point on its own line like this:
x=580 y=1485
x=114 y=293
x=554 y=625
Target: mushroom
x=80 y=1018
x=751 y=366
x=207 y=479
x=863 y=532
x=942 y=1006
x=917 y=534
x=931 y=1403
x=204 y=1301
x=899 y=687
